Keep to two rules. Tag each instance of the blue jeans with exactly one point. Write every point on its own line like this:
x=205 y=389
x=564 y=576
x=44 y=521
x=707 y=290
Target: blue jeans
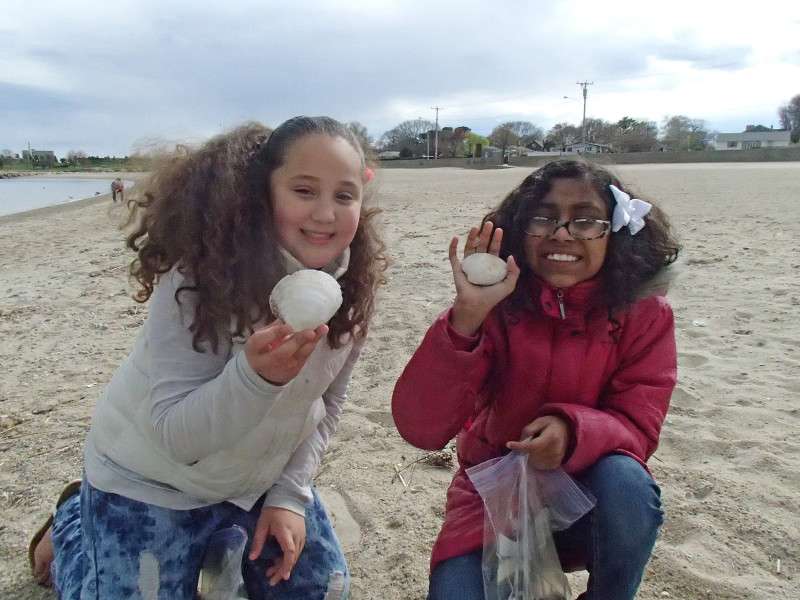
x=616 y=538
x=104 y=543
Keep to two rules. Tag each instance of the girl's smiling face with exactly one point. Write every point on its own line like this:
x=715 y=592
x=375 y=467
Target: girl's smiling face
x=316 y=198
x=561 y=260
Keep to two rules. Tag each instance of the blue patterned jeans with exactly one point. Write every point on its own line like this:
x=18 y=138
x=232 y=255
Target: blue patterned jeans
x=104 y=543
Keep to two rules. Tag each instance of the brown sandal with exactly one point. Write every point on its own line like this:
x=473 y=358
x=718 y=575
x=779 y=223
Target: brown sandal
x=72 y=488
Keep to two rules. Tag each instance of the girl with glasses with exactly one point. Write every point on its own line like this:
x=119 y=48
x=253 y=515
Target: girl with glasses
x=570 y=358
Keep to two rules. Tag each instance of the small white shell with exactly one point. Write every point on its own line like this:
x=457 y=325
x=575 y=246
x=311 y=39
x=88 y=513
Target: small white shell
x=306 y=299
x=482 y=268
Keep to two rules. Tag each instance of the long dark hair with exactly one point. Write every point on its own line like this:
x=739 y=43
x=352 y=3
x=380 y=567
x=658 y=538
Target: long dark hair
x=209 y=210
x=632 y=261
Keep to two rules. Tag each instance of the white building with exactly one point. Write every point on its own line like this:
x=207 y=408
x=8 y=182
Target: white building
x=41 y=156
x=750 y=140
x=584 y=148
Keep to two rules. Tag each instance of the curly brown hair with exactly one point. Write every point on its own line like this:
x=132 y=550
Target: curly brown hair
x=209 y=211
x=631 y=262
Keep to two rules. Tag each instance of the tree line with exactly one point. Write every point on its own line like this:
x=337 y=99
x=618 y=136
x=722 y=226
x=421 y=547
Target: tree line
x=74 y=160
x=418 y=137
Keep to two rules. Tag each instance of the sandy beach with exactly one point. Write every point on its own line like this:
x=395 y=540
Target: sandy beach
x=729 y=454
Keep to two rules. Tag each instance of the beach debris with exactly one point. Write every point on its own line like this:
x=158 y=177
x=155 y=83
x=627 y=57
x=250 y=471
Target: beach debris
x=436 y=458
x=306 y=299
x=9 y=421
x=778 y=567
x=399 y=475
x=699 y=322
x=482 y=268
x=55 y=449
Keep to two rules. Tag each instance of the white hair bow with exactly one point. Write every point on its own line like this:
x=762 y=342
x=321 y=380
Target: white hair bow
x=628 y=211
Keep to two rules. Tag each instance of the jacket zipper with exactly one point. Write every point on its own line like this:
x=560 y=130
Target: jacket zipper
x=560 y=296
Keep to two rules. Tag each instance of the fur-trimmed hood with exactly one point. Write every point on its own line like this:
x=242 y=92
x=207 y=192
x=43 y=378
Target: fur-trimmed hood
x=662 y=282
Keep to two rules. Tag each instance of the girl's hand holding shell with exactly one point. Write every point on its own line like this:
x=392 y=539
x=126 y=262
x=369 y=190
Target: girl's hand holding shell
x=474 y=301
x=303 y=302
x=305 y=299
x=277 y=354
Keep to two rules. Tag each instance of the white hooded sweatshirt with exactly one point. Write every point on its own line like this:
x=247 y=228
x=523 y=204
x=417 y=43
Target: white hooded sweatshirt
x=182 y=429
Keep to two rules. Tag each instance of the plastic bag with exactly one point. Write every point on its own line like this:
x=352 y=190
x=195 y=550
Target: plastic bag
x=221 y=574
x=523 y=508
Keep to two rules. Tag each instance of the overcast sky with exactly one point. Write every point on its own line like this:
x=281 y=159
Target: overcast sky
x=106 y=77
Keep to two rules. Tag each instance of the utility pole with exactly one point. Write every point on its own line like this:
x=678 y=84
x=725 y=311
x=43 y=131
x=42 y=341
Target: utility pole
x=583 y=85
x=436 y=130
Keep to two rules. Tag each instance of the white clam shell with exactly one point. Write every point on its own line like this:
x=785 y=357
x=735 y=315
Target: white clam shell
x=306 y=299
x=482 y=268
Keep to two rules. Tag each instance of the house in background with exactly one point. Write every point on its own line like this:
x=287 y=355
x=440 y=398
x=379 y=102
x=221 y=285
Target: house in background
x=756 y=136
x=523 y=151
x=583 y=148
x=490 y=152
x=537 y=146
x=47 y=157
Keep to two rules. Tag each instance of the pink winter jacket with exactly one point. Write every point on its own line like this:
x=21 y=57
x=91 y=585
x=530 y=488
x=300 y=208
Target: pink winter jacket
x=521 y=366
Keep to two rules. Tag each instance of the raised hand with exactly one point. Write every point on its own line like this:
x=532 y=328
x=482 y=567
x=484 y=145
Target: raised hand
x=474 y=302
x=278 y=354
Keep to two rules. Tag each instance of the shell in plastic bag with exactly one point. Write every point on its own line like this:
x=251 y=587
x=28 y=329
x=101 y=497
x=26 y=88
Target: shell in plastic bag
x=306 y=299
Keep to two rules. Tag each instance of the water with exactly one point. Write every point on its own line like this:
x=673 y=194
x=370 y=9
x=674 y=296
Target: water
x=18 y=194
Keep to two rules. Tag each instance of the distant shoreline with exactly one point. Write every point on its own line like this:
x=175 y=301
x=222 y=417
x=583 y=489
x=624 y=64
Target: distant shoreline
x=54 y=209
x=94 y=174
x=134 y=175
x=75 y=204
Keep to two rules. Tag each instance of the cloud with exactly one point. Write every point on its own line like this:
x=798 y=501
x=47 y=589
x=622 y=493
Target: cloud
x=101 y=77
x=689 y=46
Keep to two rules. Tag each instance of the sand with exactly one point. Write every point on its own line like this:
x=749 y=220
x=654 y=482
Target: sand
x=729 y=453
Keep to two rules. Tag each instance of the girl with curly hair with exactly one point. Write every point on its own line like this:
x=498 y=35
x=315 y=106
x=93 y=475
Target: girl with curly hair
x=221 y=414
x=570 y=358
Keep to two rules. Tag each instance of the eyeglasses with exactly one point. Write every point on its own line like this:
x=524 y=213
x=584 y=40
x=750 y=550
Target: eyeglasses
x=580 y=229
